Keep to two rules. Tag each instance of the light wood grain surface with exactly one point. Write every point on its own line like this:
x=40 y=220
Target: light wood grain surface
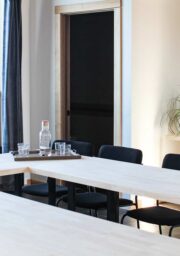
x=9 y=167
x=34 y=229
x=158 y=183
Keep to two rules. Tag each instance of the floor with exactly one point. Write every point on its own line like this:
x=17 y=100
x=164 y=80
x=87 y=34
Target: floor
x=127 y=221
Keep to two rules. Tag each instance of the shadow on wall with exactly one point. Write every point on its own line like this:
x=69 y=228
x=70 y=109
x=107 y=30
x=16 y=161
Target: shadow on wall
x=40 y=64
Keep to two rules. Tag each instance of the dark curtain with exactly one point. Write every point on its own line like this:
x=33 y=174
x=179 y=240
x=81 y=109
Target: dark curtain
x=12 y=127
x=14 y=97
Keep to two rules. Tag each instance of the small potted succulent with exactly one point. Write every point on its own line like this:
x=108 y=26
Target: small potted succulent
x=172 y=116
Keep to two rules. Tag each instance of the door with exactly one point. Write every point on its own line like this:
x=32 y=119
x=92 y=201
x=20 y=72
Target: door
x=91 y=101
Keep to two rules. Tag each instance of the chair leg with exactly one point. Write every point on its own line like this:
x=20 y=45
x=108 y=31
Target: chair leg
x=138 y=224
x=136 y=205
x=171 y=229
x=136 y=202
x=58 y=201
x=95 y=213
x=160 y=230
x=123 y=217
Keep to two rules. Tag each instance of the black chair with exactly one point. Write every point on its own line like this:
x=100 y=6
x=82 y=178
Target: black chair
x=159 y=215
x=82 y=148
x=97 y=200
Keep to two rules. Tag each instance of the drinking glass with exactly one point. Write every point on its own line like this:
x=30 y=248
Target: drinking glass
x=57 y=148
x=68 y=149
x=23 y=149
x=61 y=148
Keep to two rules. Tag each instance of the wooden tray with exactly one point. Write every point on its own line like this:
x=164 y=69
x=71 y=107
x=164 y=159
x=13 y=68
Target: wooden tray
x=34 y=156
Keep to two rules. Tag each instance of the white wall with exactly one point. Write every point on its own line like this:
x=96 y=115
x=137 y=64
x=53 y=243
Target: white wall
x=127 y=73
x=155 y=68
x=36 y=72
x=155 y=75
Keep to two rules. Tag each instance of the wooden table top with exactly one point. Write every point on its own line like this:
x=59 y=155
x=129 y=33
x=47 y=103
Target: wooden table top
x=158 y=183
x=35 y=229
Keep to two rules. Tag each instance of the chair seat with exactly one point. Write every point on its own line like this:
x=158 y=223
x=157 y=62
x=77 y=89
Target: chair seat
x=94 y=200
x=156 y=215
x=125 y=202
x=42 y=190
x=91 y=200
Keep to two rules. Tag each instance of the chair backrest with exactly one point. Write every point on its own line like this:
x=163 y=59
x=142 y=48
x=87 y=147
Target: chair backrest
x=81 y=147
x=124 y=154
x=171 y=161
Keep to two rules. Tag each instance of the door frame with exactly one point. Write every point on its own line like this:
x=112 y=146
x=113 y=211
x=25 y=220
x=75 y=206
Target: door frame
x=62 y=25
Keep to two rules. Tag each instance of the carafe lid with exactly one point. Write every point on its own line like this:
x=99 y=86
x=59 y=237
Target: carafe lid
x=45 y=124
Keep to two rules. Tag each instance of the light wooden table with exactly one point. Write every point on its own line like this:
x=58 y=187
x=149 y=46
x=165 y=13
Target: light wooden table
x=114 y=176
x=34 y=229
x=9 y=167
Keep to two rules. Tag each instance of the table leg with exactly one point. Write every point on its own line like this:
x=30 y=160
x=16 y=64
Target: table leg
x=71 y=196
x=113 y=206
x=18 y=183
x=51 y=191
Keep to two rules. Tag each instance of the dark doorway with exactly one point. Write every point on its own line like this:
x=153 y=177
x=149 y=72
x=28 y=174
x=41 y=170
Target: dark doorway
x=92 y=78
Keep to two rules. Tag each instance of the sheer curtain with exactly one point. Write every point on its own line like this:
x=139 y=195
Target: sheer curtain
x=12 y=129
